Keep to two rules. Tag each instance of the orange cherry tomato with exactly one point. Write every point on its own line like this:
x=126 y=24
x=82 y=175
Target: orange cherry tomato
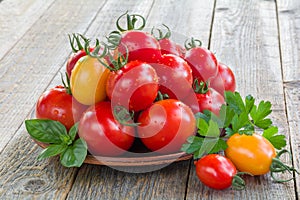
x=250 y=153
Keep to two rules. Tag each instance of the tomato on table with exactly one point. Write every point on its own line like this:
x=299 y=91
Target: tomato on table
x=57 y=104
x=103 y=133
x=88 y=80
x=204 y=98
x=202 y=61
x=218 y=172
x=140 y=46
x=134 y=86
x=166 y=125
x=224 y=81
x=175 y=76
x=250 y=153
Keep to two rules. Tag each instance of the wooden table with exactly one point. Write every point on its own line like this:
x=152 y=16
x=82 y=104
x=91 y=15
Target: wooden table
x=258 y=39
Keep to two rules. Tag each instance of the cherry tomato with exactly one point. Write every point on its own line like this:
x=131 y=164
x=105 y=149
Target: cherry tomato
x=167 y=46
x=103 y=134
x=224 y=81
x=215 y=171
x=203 y=63
x=57 y=104
x=205 y=99
x=166 y=125
x=134 y=86
x=88 y=80
x=141 y=46
x=250 y=153
x=175 y=76
x=73 y=60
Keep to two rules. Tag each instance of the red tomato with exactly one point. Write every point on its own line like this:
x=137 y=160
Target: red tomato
x=166 y=125
x=103 y=134
x=207 y=99
x=134 y=86
x=175 y=76
x=215 y=171
x=203 y=63
x=57 y=104
x=167 y=46
x=224 y=81
x=141 y=46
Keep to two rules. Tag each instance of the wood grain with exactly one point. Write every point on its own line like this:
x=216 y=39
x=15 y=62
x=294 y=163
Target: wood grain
x=293 y=109
x=16 y=18
x=104 y=183
x=289 y=26
x=289 y=21
x=186 y=19
x=23 y=177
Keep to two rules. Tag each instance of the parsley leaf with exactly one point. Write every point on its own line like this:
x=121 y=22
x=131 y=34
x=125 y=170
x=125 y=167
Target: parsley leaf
x=278 y=141
x=259 y=113
x=207 y=142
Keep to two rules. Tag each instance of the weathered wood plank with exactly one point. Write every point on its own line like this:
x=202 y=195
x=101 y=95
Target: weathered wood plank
x=31 y=64
x=16 y=18
x=23 y=177
x=101 y=182
x=186 y=19
x=245 y=37
x=289 y=26
x=293 y=108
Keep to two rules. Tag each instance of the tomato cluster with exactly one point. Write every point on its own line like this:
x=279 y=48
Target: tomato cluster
x=139 y=80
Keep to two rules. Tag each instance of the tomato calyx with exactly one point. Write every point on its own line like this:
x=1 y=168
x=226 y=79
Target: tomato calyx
x=278 y=166
x=161 y=96
x=161 y=36
x=123 y=116
x=131 y=22
x=116 y=61
x=192 y=43
x=200 y=87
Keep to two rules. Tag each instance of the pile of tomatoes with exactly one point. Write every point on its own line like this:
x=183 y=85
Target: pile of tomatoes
x=137 y=86
x=143 y=87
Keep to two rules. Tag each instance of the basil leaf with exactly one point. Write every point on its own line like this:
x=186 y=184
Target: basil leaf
x=75 y=154
x=47 y=131
x=73 y=131
x=52 y=150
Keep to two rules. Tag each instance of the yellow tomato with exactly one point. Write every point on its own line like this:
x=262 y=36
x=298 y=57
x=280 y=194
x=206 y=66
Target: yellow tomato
x=88 y=80
x=250 y=153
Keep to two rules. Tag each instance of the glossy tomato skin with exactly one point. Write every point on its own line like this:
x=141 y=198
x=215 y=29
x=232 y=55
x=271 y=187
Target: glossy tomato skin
x=215 y=171
x=134 y=86
x=250 y=153
x=104 y=135
x=203 y=63
x=224 y=81
x=167 y=46
x=175 y=76
x=141 y=46
x=57 y=104
x=166 y=125
x=88 y=80
x=211 y=100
